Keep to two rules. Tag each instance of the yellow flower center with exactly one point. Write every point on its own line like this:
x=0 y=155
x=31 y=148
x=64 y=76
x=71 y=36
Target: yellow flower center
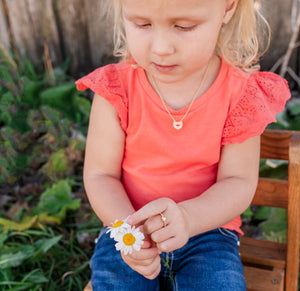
x=118 y=224
x=128 y=239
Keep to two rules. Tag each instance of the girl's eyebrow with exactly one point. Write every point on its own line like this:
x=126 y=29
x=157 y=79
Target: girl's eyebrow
x=190 y=18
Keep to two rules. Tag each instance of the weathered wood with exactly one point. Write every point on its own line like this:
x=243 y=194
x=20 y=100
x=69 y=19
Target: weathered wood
x=72 y=22
x=264 y=280
x=275 y=144
x=293 y=231
x=33 y=25
x=263 y=253
x=275 y=193
x=261 y=257
x=4 y=37
x=100 y=24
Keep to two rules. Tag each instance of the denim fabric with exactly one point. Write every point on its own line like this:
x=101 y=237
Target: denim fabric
x=209 y=261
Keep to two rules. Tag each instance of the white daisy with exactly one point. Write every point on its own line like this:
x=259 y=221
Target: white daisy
x=131 y=239
x=117 y=227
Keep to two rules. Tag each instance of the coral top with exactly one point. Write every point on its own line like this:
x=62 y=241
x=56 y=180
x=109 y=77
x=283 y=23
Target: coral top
x=160 y=161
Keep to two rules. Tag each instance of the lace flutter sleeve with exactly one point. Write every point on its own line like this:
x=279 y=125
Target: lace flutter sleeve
x=264 y=95
x=105 y=82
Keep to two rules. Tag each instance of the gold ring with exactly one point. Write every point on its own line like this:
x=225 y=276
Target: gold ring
x=163 y=219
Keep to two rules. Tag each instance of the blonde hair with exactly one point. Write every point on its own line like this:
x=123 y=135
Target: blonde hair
x=241 y=42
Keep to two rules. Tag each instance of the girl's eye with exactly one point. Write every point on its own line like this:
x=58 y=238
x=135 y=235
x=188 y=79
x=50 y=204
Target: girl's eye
x=185 y=28
x=143 y=25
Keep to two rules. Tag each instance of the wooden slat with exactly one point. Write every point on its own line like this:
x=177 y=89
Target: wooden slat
x=100 y=25
x=4 y=36
x=275 y=144
x=264 y=280
x=293 y=231
x=271 y=192
x=72 y=23
x=33 y=24
x=264 y=253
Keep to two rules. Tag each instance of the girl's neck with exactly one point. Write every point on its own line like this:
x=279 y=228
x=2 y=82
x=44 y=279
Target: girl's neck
x=179 y=95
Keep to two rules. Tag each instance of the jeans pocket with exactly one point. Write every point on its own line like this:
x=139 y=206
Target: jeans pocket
x=230 y=234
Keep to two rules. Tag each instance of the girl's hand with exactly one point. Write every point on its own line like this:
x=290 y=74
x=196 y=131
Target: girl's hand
x=146 y=261
x=169 y=237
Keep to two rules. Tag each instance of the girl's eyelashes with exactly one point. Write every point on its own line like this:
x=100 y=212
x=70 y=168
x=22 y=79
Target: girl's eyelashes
x=143 y=25
x=185 y=28
x=179 y=27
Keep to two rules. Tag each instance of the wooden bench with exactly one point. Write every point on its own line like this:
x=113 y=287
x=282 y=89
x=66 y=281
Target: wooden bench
x=271 y=266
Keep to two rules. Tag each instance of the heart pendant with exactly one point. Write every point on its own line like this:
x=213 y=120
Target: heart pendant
x=177 y=124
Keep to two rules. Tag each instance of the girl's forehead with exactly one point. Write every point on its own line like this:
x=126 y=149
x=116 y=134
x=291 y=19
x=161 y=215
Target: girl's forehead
x=170 y=6
x=170 y=3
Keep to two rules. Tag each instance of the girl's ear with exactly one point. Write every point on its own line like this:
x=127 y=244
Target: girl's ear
x=230 y=9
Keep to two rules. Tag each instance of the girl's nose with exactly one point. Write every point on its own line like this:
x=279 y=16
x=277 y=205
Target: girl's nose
x=162 y=44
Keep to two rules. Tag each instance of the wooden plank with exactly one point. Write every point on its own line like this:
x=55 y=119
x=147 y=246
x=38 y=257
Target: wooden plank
x=33 y=24
x=261 y=252
x=100 y=31
x=264 y=280
x=275 y=145
x=4 y=37
x=44 y=24
x=72 y=23
x=293 y=232
x=271 y=192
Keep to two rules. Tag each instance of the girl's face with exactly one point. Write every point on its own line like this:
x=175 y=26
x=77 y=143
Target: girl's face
x=174 y=39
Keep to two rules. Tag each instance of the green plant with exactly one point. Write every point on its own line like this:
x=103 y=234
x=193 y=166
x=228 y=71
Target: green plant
x=46 y=225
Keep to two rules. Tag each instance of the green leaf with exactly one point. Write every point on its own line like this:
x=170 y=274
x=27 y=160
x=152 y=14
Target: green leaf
x=26 y=223
x=61 y=97
x=248 y=212
x=276 y=222
x=295 y=109
x=32 y=92
x=3 y=237
x=83 y=105
x=57 y=164
x=282 y=119
x=263 y=213
x=35 y=276
x=44 y=245
x=57 y=199
x=16 y=259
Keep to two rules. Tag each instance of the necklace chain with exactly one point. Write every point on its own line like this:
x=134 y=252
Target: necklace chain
x=178 y=124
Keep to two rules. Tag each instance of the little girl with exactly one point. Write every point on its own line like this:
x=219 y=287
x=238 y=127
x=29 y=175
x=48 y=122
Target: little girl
x=173 y=141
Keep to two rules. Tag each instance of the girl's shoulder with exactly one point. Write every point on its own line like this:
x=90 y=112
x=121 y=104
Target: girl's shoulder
x=259 y=86
x=261 y=96
x=109 y=76
x=110 y=82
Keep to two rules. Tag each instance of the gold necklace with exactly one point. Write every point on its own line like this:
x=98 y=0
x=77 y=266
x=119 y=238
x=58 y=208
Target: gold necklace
x=178 y=124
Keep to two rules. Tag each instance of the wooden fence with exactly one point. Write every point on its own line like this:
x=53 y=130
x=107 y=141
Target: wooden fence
x=80 y=29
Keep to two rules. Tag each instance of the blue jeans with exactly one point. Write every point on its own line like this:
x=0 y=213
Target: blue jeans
x=209 y=261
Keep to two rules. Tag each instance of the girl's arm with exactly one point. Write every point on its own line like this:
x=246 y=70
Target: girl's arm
x=102 y=174
x=232 y=193
x=225 y=200
x=102 y=165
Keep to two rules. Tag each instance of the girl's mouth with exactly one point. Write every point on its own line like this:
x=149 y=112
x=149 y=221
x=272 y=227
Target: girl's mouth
x=164 y=68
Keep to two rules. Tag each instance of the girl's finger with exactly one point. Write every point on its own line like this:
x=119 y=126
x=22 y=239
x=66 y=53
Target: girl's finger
x=143 y=254
x=153 y=224
x=151 y=271
x=152 y=208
